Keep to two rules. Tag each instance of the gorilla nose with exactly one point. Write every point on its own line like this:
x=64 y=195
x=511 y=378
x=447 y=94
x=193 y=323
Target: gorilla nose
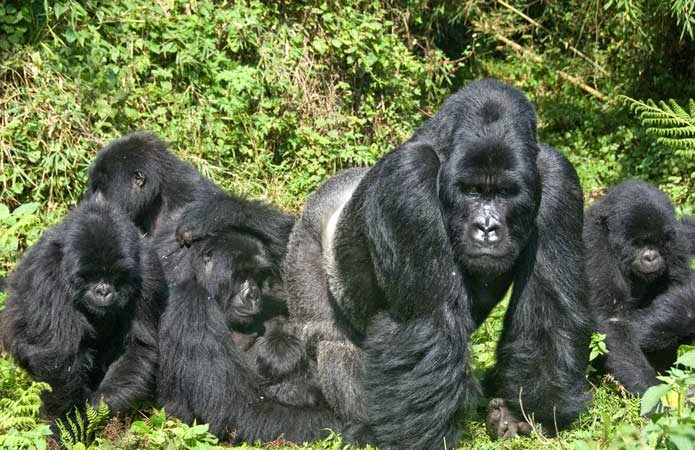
x=103 y=292
x=650 y=256
x=487 y=231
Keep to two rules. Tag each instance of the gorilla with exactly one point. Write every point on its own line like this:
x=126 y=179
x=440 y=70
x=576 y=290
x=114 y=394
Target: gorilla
x=83 y=311
x=141 y=175
x=281 y=359
x=223 y=284
x=204 y=376
x=642 y=290
x=390 y=269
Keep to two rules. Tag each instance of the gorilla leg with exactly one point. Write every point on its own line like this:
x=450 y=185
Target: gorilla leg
x=341 y=366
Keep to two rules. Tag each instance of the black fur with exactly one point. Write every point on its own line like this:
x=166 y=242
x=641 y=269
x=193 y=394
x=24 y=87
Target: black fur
x=644 y=306
x=204 y=375
x=141 y=175
x=289 y=375
x=388 y=275
x=83 y=311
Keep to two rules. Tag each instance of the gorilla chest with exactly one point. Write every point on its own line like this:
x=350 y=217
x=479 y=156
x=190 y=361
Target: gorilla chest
x=485 y=294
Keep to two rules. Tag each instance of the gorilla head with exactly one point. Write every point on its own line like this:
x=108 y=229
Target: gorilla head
x=237 y=272
x=490 y=188
x=138 y=173
x=128 y=172
x=101 y=261
x=642 y=231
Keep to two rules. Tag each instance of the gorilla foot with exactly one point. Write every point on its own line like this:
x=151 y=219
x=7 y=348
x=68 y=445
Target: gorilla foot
x=501 y=423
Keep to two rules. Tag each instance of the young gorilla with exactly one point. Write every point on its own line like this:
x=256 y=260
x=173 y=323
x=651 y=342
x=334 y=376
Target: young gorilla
x=641 y=285
x=248 y=294
x=221 y=281
x=141 y=175
x=83 y=311
x=389 y=270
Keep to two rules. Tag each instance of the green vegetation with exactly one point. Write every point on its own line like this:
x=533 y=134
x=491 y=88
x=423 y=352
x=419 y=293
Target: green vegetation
x=269 y=98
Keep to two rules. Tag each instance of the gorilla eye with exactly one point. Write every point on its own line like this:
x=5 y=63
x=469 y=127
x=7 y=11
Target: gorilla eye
x=469 y=189
x=139 y=178
x=508 y=191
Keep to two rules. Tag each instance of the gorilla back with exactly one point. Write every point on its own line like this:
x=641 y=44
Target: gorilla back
x=410 y=256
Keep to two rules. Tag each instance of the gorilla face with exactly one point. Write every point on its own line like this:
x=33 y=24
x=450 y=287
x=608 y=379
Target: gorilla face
x=490 y=195
x=101 y=263
x=642 y=238
x=126 y=173
x=237 y=272
x=246 y=302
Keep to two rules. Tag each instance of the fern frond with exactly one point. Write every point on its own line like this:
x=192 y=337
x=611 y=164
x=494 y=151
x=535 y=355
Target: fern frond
x=22 y=412
x=671 y=124
x=65 y=437
x=96 y=417
x=81 y=427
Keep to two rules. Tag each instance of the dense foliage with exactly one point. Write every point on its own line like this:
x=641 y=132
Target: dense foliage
x=270 y=97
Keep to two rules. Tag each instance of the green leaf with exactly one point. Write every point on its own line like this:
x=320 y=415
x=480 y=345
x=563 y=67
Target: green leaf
x=687 y=359
x=682 y=442
x=139 y=426
x=4 y=211
x=652 y=397
x=26 y=209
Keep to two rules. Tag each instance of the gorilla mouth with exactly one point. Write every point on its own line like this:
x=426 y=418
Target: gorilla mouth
x=486 y=252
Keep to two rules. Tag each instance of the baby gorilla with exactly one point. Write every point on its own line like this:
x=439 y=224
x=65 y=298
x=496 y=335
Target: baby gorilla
x=83 y=311
x=641 y=286
x=280 y=358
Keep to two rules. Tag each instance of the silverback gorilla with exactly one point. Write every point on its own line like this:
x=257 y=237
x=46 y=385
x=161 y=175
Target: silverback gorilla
x=389 y=270
x=641 y=285
x=83 y=311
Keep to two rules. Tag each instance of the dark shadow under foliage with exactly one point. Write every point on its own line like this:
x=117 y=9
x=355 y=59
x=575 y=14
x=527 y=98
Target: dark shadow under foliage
x=642 y=288
x=389 y=270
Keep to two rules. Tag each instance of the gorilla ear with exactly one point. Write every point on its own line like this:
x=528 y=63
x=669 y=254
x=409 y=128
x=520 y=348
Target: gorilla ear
x=138 y=178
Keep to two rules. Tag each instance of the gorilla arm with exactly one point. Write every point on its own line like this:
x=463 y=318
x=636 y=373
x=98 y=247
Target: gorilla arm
x=544 y=348
x=132 y=376
x=416 y=364
x=41 y=328
x=668 y=320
